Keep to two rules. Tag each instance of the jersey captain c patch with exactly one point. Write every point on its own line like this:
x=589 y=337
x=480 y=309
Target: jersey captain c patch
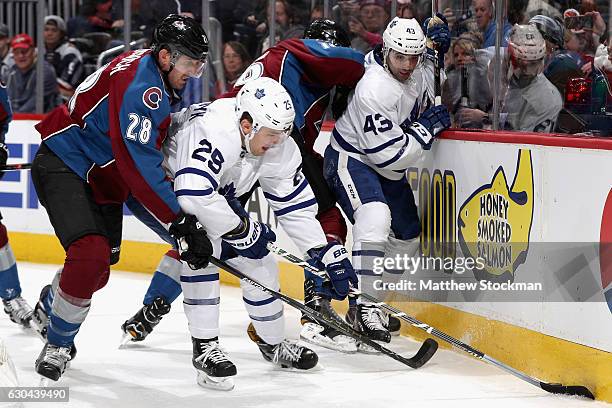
x=152 y=97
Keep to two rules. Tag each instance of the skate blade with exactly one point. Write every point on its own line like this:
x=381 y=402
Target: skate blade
x=311 y=333
x=126 y=339
x=44 y=382
x=38 y=330
x=215 y=383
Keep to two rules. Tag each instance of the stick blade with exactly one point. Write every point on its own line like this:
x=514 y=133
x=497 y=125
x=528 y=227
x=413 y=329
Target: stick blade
x=578 y=390
x=425 y=353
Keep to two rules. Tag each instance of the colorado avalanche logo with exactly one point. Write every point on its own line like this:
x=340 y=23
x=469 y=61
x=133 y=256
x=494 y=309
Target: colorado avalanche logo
x=254 y=71
x=152 y=97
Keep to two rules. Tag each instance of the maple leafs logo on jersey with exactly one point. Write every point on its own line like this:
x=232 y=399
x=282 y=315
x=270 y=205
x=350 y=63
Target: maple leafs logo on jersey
x=259 y=93
x=228 y=191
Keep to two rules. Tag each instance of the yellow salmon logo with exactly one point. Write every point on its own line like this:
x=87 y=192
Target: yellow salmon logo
x=495 y=221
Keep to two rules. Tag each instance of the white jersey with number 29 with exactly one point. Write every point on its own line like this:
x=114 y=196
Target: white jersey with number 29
x=210 y=167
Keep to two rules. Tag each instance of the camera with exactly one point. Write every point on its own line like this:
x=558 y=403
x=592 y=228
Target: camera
x=578 y=22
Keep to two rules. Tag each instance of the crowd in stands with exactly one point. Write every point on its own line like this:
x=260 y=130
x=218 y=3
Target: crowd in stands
x=572 y=72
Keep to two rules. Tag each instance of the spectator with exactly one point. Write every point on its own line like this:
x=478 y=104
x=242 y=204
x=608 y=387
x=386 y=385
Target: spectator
x=373 y=17
x=316 y=13
x=235 y=60
x=603 y=58
x=22 y=78
x=532 y=103
x=485 y=19
x=65 y=58
x=465 y=93
x=560 y=65
x=6 y=56
x=407 y=9
x=286 y=25
x=146 y=14
x=95 y=16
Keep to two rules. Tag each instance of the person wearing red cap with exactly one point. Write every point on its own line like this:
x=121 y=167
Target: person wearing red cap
x=21 y=83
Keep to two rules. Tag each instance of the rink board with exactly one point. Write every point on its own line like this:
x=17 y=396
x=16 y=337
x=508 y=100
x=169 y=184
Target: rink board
x=569 y=342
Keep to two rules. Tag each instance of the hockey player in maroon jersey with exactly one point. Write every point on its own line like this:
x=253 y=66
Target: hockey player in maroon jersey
x=96 y=150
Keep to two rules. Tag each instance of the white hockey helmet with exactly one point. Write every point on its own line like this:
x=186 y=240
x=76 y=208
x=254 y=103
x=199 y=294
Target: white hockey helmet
x=405 y=36
x=268 y=104
x=527 y=50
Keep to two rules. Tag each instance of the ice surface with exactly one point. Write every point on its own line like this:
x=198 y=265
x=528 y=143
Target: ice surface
x=158 y=371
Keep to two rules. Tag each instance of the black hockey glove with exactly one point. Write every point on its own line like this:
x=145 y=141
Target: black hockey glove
x=193 y=243
x=3 y=157
x=340 y=101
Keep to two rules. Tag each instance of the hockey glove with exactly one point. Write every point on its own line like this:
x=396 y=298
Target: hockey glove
x=3 y=157
x=334 y=258
x=193 y=243
x=340 y=101
x=438 y=33
x=429 y=125
x=179 y=119
x=250 y=238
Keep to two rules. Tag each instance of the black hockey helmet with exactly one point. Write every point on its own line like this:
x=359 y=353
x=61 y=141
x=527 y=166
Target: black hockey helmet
x=550 y=28
x=182 y=34
x=327 y=30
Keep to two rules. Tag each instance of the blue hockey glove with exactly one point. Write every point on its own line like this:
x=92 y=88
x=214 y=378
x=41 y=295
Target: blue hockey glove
x=335 y=260
x=429 y=125
x=439 y=33
x=250 y=238
x=193 y=243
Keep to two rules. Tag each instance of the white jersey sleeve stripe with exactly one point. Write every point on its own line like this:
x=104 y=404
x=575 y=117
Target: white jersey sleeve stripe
x=343 y=143
x=295 y=207
x=288 y=197
x=395 y=158
x=384 y=145
x=187 y=192
x=199 y=172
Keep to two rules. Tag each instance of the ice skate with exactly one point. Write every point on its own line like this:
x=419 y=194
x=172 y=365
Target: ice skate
x=139 y=326
x=287 y=354
x=212 y=364
x=18 y=311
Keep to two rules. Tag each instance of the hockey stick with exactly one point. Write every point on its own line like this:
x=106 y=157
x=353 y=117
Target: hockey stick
x=553 y=388
x=437 y=85
x=427 y=350
x=19 y=166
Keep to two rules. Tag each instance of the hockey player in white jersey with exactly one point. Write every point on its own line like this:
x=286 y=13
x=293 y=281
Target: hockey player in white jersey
x=388 y=125
x=221 y=152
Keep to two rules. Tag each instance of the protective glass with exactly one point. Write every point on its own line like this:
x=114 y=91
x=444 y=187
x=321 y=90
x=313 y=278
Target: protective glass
x=188 y=66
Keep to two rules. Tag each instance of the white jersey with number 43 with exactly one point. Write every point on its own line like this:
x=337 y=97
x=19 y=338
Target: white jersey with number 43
x=209 y=164
x=369 y=130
